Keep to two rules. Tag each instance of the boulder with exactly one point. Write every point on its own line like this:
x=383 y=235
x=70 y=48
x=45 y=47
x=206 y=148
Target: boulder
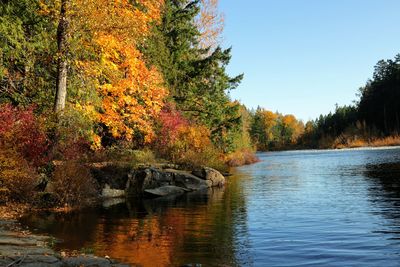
x=115 y=175
x=109 y=202
x=187 y=180
x=108 y=192
x=90 y=260
x=147 y=178
x=156 y=178
x=210 y=174
x=167 y=190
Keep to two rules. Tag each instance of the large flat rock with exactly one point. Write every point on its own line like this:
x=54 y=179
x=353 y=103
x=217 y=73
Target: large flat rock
x=166 y=191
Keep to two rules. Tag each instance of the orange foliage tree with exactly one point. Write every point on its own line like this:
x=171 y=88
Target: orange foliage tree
x=291 y=128
x=210 y=23
x=131 y=93
x=115 y=86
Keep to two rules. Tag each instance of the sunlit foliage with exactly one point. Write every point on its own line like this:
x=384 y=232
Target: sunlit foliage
x=271 y=130
x=131 y=92
x=210 y=23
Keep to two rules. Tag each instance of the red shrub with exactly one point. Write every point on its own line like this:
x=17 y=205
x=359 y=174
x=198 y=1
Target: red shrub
x=21 y=130
x=185 y=142
x=170 y=121
x=73 y=149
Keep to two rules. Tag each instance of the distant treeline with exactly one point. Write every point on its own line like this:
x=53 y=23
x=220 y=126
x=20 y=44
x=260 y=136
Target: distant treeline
x=371 y=120
x=273 y=130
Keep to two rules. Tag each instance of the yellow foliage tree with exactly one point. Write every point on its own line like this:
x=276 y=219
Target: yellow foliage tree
x=133 y=95
x=131 y=92
x=210 y=22
x=104 y=36
x=269 y=120
x=292 y=127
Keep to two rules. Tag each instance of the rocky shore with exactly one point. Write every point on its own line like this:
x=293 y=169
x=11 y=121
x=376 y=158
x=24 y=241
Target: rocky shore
x=19 y=247
x=22 y=248
x=154 y=181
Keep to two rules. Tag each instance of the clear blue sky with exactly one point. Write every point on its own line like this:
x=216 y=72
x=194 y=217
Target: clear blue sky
x=303 y=56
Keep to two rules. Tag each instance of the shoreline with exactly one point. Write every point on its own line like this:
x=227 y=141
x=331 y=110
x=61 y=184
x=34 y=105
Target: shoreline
x=372 y=147
x=20 y=247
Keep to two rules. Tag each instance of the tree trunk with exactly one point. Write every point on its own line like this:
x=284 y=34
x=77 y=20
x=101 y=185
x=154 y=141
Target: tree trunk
x=62 y=64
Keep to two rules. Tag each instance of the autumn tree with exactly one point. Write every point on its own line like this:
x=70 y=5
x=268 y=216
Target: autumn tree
x=272 y=130
x=291 y=129
x=127 y=92
x=263 y=128
x=210 y=23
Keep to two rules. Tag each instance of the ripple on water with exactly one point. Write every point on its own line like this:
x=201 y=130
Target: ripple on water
x=297 y=208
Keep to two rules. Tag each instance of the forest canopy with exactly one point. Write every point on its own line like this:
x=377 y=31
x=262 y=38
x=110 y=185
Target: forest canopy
x=95 y=76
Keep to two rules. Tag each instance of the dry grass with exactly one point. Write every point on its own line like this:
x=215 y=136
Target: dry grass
x=241 y=157
x=387 y=141
x=352 y=144
x=73 y=184
x=361 y=142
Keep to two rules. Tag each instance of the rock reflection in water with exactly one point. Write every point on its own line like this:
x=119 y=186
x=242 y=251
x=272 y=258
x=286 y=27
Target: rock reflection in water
x=192 y=228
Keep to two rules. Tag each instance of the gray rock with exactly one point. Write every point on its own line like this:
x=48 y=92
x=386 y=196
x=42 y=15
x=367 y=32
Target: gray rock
x=214 y=176
x=109 y=202
x=144 y=181
x=40 y=259
x=20 y=241
x=152 y=179
x=108 y=192
x=41 y=264
x=87 y=261
x=14 y=251
x=148 y=178
x=210 y=174
x=17 y=249
x=187 y=180
x=115 y=175
x=166 y=191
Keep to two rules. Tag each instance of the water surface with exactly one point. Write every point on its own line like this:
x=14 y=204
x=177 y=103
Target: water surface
x=295 y=208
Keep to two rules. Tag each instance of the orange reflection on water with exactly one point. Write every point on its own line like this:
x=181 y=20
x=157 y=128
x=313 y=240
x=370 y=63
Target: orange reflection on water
x=157 y=239
x=143 y=242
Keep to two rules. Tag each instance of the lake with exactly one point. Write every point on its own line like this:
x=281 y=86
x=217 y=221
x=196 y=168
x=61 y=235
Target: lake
x=294 y=208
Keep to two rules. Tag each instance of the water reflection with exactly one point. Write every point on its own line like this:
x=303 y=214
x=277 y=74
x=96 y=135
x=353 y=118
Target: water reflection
x=196 y=228
x=320 y=208
x=385 y=192
x=299 y=208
